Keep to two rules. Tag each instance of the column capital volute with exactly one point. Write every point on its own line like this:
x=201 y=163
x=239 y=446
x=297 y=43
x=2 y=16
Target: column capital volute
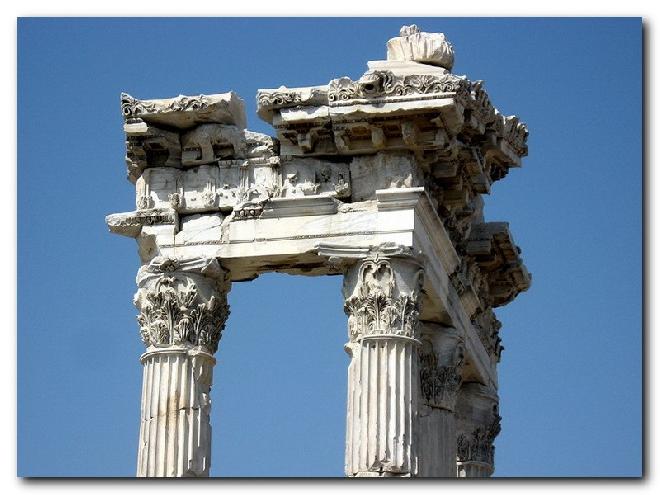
x=182 y=304
x=209 y=268
x=382 y=291
x=344 y=256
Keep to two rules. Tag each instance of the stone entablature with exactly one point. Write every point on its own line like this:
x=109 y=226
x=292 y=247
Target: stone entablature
x=379 y=180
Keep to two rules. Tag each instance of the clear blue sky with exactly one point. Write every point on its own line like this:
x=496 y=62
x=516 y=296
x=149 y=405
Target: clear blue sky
x=570 y=376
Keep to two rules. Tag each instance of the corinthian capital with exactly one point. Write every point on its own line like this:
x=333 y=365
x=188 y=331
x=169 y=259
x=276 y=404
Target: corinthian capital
x=477 y=445
x=182 y=303
x=477 y=427
x=383 y=296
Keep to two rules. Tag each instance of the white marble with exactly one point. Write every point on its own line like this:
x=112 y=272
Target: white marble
x=380 y=180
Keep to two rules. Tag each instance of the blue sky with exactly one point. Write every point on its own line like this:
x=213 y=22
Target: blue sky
x=570 y=376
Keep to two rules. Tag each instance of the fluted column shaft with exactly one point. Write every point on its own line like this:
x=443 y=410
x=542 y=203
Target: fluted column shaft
x=382 y=302
x=183 y=310
x=175 y=431
x=382 y=381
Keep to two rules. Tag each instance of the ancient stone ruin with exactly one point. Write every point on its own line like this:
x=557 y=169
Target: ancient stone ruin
x=379 y=180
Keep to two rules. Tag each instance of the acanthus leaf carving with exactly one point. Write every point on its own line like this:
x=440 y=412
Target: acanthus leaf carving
x=385 y=83
x=478 y=446
x=171 y=314
x=343 y=89
x=132 y=107
x=279 y=98
x=375 y=309
x=440 y=384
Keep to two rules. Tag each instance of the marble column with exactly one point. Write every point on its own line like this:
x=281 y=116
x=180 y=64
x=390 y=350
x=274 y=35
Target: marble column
x=478 y=423
x=183 y=309
x=440 y=366
x=382 y=303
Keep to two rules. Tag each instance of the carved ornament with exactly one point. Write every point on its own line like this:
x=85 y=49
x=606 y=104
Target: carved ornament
x=377 y=309
x=171 y=313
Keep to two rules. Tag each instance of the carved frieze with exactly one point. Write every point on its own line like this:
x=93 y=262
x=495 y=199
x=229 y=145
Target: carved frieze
x=198 y=189
x=384 y=83
x=421 y=84
x=402 y=104
x=278 y=98
x=185 y=112
x=310 y=177
x=132 y=107
x=343 y=89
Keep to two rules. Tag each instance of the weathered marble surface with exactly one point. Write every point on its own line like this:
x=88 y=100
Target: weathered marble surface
x=183 y=310
x=379 y=180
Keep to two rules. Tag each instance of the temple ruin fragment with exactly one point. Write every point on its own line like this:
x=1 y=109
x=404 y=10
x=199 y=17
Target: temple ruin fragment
x=379 y=180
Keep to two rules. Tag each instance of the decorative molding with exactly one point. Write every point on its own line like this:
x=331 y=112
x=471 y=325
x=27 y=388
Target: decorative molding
x=385 y=83
x=420 y=84
x=185 y=112
x=343 y=89
x=132 y=107
x=278 y=98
